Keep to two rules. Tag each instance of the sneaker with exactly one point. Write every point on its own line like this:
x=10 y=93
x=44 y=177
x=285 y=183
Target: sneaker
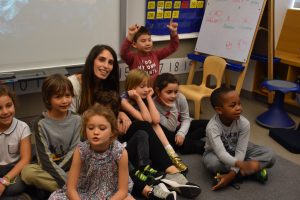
x=144 y=178
x=176 y=160
x=149 y=171
x=262 y=176
x=180 y=184
x=160 y=191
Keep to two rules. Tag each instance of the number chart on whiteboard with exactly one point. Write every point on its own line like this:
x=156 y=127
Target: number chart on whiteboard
x=188 y=14
x=228 y=28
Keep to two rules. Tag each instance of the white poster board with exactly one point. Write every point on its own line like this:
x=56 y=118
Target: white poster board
x=228 y=28
x=40 y=34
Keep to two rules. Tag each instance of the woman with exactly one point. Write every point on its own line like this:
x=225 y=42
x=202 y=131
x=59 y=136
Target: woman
x=100 y=73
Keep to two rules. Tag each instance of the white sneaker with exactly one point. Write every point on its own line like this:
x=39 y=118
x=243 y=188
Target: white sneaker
x=180 y=184
x=160 y=191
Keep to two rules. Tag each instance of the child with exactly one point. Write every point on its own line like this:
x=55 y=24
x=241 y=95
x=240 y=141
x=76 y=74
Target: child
x=57 y=133
x=145 y=58
x=183 y=133
x=15 y=147
x=227 y=150
x=144 y=152
x=100 y=165
x=138 y=103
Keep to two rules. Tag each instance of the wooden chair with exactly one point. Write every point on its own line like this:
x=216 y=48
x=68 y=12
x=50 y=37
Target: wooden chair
x=213 y=66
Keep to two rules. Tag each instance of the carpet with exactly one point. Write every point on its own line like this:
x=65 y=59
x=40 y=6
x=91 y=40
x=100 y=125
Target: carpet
x=283 y=182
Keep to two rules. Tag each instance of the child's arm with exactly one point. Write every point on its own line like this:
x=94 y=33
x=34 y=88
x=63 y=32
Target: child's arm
x=173 y=26
x=242 y=143
x=45 y=159
x=73 y=176
x=155 y=116
x=142 y=114
x=25 y=154
x=125 y=53
x=213 y=134
x=132 y=30
x=123 y=177
x=185 y=120
x=173 y=45
x=66 y=162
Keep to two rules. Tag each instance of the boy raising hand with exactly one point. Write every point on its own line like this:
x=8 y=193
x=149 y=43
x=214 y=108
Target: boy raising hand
x=145 y=58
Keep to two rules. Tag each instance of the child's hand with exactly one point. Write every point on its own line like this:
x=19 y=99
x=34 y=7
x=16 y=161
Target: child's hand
x=173 y=27
x=133 y=94
x=248 y=167
x=150 y=92
x=225 y=179
x=179 y=140
x=123 y=122
x=132 y=30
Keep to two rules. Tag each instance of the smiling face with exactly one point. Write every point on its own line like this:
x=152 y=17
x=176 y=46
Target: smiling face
x=103 y=64
x=231 y=108
x=98 y=132
x=142 y=89
x=61 y=102
x=168 y=94
x=7 y=112
x=144 y=43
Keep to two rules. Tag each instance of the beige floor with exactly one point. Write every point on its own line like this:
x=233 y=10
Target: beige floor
x=259 y=135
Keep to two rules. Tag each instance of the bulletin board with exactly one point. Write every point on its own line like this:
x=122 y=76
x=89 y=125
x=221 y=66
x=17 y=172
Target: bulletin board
x=188 y=14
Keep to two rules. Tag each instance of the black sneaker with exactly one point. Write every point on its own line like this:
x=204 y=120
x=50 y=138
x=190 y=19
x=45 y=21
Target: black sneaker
x=160 y=191
x=180 y=184
x=149 y=171
x=145 y=178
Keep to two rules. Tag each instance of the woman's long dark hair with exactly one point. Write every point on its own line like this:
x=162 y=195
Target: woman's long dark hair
x=91 y=84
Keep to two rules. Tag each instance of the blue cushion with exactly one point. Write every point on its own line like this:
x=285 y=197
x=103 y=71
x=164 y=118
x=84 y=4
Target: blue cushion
x=288 y=138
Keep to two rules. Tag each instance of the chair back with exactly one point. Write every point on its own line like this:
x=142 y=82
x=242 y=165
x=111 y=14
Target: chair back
x=213 y=66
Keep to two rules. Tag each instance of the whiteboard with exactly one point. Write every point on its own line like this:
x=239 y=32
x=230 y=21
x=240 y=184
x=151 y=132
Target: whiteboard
x=228 y=28
x=37 y=34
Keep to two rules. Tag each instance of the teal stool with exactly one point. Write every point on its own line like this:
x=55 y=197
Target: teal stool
x=276 y=116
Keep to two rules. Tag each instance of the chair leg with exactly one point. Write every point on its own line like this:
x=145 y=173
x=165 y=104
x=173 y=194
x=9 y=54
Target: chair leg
x=197 y=109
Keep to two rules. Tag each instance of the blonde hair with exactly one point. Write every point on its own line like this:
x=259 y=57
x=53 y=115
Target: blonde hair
x=134 y=78
x=100 y=110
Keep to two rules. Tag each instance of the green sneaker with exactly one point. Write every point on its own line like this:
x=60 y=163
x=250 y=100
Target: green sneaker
x=149 y=171
x=141 y=176
x=144 y=178
x=262 y=175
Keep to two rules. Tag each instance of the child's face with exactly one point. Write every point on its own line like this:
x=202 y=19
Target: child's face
x=98 y=132
x=232 y=108
x=142 y=89
x=103 y=64
x=168 y=94
x=7 y=111
x=144 y=43
x=61 y=103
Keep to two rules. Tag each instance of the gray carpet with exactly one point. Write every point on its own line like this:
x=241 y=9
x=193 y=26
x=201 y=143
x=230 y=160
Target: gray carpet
x=283 y=183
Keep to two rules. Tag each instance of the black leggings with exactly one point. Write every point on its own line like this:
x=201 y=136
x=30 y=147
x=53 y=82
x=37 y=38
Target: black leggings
x=193 y=142
x=157 y=153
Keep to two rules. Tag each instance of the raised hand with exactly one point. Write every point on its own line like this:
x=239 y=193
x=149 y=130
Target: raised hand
x=132 y=30
x=173 y=27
